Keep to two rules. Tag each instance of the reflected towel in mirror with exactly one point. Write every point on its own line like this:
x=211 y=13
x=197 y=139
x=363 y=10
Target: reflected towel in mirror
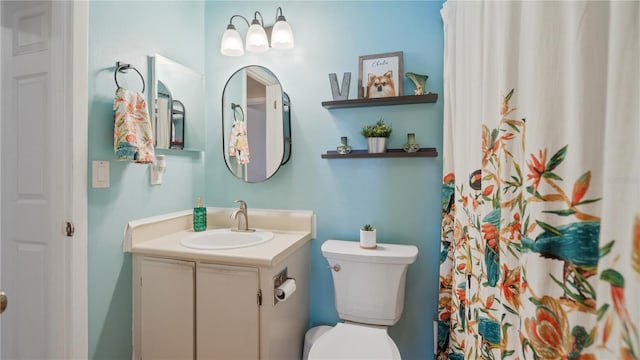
x=239 y=143
x=132 y=134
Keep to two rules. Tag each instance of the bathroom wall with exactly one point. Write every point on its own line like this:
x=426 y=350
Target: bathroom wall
x=129 y=31
x=401 y=197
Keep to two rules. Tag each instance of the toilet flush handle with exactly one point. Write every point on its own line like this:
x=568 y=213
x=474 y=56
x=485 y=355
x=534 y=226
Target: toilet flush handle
x=335 y=267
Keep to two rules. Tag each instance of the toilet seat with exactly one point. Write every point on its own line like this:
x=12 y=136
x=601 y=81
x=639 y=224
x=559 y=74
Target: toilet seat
x=354 y=341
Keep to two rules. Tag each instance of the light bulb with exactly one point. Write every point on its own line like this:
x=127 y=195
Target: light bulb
x=257 y=38
x=231 y=44
x=281 y=35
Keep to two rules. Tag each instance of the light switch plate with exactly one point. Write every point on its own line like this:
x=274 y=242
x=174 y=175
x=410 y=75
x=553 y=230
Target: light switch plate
x=100 y=178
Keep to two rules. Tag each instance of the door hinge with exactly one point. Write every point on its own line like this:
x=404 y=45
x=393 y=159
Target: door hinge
x=69 y=229
x=259 y=297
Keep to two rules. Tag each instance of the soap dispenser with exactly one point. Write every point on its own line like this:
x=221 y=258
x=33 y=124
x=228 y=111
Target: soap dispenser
x=199 y=217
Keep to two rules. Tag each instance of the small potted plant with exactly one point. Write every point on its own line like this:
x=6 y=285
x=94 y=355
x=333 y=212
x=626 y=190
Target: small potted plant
x=377 y=135
x=368 y=237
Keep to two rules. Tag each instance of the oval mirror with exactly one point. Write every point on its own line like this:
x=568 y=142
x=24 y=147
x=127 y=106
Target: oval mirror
x=256 y=131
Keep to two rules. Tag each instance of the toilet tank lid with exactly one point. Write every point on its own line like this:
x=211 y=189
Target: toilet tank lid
x=384 y=253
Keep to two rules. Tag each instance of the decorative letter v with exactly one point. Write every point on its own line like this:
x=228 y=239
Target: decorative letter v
x=340 y=94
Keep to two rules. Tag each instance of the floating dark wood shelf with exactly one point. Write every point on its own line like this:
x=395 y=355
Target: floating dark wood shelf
x=361 y=154
x=393 y=100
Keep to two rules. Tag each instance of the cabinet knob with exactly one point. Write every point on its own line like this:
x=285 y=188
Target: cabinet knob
x=335 y=267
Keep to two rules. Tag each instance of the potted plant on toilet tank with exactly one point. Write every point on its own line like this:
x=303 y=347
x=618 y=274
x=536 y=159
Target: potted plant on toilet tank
x=377 y=135
x=368 y=237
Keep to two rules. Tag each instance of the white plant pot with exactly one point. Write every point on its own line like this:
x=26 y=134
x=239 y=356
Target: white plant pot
x=368 y=239
x=377 y=145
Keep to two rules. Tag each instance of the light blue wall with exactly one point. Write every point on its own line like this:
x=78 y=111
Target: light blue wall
x=401 y=197
x=129 y=31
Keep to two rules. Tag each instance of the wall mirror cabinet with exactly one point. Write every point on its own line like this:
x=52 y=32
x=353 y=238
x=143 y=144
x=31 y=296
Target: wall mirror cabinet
x=256 y=132
x=177 y=105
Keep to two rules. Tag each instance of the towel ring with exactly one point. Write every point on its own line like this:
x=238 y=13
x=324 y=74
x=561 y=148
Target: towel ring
x=122 y=68
x=234 y=107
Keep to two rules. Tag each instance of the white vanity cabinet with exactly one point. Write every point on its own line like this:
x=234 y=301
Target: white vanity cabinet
x=188 y=307
x=166 y=308
x=227 y=312
x=194 y=309
x=219 y=304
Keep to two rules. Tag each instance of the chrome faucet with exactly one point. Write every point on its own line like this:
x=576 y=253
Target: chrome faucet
x=243 y=219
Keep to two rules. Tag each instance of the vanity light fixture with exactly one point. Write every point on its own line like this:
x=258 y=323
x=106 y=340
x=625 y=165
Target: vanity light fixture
x=231 y=44
x=256 y=36
x=281 y=34
x=256 y=41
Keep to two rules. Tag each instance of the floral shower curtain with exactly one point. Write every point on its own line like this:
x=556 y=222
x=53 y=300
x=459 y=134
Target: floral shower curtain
x=540 y=248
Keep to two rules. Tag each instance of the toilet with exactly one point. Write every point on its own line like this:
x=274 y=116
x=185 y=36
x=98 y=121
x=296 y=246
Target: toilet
x=369 y=295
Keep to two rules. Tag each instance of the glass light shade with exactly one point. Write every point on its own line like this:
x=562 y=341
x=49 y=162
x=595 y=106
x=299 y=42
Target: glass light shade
x=231 y=44
x=257 y=39
x=282 y=36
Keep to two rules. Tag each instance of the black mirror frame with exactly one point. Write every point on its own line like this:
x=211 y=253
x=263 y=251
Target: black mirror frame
x=286 y=119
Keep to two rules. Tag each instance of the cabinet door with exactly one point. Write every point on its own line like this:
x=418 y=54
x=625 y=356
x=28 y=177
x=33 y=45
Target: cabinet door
x=227 y=307
x=167 y=309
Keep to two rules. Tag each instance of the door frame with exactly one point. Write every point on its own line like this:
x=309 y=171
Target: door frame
x=77 y=74
x=72 y=18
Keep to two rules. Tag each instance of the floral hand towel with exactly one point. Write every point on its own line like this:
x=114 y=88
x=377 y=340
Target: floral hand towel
x=132 y=133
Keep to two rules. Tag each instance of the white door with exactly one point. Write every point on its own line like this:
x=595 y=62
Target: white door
x=43 y=272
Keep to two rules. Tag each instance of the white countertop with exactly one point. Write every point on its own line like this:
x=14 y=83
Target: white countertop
x=266 y=254
x=161 y=236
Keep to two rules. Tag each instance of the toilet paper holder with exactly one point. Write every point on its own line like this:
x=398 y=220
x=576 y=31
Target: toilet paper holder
x=278 y=280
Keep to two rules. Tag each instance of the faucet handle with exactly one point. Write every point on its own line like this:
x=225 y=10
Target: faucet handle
x=243 y=204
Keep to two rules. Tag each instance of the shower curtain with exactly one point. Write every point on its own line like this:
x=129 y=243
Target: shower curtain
x=540 y=246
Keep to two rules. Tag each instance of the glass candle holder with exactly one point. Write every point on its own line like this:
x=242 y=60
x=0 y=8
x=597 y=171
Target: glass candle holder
x=343 y=148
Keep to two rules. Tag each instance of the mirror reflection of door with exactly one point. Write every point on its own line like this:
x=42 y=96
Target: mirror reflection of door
x=256 y=127
x=264 y=125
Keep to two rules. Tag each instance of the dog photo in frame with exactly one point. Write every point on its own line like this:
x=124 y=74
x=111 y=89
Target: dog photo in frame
x=380 y=75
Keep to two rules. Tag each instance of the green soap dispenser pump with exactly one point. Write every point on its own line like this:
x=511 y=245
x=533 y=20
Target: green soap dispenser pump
x=199 y=217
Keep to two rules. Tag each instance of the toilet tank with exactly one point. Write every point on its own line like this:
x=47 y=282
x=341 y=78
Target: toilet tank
x=369 y=284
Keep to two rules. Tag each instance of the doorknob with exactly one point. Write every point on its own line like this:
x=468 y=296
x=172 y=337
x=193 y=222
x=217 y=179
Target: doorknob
x=3 y=302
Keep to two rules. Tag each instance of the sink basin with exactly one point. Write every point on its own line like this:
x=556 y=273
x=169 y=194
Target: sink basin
x=218 y=239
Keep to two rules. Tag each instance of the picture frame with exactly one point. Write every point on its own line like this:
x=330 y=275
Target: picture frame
x=374 y=73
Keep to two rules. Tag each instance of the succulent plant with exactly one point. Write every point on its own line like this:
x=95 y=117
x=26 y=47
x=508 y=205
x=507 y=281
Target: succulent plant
x=367 y=227
x=379 y=129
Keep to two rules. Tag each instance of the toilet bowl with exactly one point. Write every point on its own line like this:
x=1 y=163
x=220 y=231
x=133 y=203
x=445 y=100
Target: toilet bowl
x=354 y=341
x=369 y=294
x=311 y=337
